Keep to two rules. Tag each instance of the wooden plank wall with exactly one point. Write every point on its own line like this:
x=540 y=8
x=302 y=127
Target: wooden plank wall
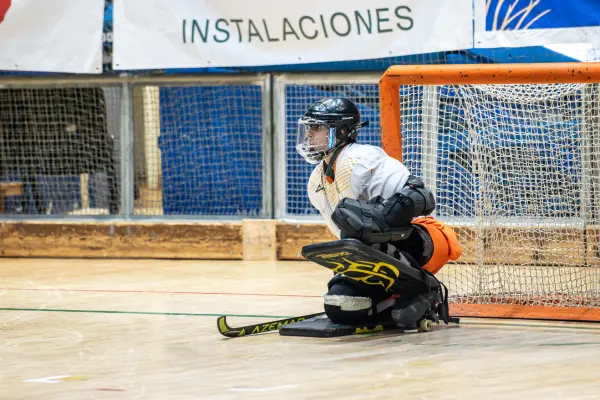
x=121 y=240
x=268 y=240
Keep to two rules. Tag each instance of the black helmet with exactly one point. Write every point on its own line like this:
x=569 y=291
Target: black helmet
x=325 y=126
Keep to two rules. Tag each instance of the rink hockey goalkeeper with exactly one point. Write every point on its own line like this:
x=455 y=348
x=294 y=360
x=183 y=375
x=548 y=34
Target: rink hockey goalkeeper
x=390 y=247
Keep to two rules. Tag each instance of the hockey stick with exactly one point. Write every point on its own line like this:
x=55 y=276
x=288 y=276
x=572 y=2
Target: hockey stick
x=228 y=331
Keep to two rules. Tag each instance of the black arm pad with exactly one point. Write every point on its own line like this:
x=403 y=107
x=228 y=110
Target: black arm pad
x=383 y=221
x=424 y=202
x=364 y=221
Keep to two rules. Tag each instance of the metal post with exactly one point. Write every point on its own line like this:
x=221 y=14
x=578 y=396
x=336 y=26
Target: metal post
x=431 y=108
x=126 y=152
x=279 y=153
x=267 y=148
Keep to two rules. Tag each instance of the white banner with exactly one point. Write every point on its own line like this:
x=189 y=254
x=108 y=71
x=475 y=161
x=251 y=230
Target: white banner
x=514 y=23
x=151 y=34
x=51 y=36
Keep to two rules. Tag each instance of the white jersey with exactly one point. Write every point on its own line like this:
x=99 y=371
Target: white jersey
x=361 y=172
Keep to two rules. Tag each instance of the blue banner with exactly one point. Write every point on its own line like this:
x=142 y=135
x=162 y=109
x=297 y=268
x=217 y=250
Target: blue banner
x=521 y=23
x=543 y=14
x=107 y=37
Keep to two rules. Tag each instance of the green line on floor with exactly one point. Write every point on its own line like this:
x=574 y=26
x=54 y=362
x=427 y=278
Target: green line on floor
x=144 y=313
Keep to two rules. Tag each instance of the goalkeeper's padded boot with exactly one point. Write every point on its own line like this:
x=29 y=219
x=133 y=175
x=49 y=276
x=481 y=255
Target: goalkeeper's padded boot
x=350 y=302
x=407 y=313
x=433 y=305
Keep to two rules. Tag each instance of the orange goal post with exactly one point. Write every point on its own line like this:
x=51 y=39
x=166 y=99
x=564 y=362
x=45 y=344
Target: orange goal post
x=512 y=152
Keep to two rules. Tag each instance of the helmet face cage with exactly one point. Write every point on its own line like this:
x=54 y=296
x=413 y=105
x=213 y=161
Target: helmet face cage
x=315 y=139
x=326 y=125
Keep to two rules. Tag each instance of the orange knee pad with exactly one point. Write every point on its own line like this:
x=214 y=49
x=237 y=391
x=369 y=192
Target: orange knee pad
x=445 y=243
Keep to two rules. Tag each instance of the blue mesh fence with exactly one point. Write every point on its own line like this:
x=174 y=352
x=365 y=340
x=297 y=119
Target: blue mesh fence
x=211 y=152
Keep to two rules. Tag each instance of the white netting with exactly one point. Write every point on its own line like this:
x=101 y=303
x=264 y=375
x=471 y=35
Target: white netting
x=59 y=145
x=524 y=93
x=198 y=150
x=514 y=170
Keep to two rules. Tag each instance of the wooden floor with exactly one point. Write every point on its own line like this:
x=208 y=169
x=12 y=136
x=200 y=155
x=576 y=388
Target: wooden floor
x=123 y=329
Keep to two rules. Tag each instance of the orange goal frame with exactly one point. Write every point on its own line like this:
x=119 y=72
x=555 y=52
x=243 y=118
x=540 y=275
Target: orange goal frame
x=466 y=74
x=389 y=97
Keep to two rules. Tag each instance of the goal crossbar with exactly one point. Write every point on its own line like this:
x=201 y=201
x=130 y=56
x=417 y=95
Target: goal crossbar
x=472 y=74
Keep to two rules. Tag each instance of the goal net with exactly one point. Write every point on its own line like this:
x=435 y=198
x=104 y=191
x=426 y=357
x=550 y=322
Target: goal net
x=512 y=156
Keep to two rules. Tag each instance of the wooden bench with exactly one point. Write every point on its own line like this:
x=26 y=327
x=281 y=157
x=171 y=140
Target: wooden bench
x=9 y=189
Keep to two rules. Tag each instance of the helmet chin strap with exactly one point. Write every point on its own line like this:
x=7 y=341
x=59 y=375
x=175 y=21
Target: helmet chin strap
x=330 y=169
x=350 y=138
